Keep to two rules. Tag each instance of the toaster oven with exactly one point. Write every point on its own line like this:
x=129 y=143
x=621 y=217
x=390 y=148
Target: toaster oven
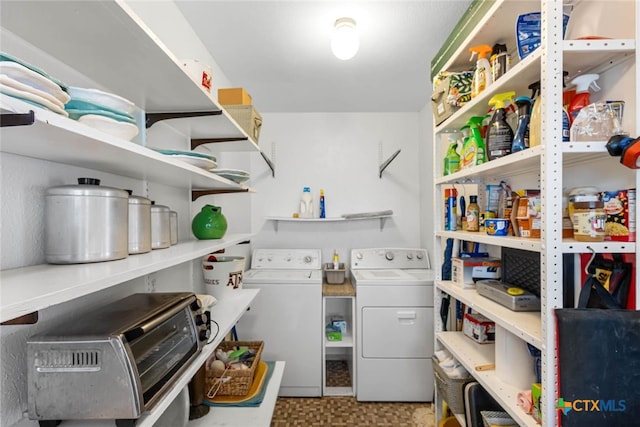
x=117 y=362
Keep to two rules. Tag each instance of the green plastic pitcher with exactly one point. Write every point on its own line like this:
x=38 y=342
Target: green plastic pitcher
x=209 y=223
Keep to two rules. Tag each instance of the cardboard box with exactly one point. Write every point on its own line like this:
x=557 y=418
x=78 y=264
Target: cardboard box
x=450 y=92
x=248 y=118
x=333 y=333
x=479 y=328
x=529 y=214
x=620 y=207
x=536 y=396
x=338 y=322
x=462 y=270
x=233 y=96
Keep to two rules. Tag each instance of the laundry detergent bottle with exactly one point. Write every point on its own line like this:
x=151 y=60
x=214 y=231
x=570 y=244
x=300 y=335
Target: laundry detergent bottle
x=306 y=204
x=482 y=74
x=499 y=133
x=473 y=148
x=521 y=135
x=582 y=98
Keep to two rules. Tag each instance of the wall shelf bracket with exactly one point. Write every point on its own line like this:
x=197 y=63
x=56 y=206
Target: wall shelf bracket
x=271 y=165
x=152 y=118
x=195 y=194
x=26 y=319
x=17 y=119
x=386 y=163
x=195 y=142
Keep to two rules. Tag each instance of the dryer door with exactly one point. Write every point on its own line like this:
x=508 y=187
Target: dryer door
x=397 y=332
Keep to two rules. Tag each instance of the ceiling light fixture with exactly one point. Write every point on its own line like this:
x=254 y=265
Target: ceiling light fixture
x=344 y=40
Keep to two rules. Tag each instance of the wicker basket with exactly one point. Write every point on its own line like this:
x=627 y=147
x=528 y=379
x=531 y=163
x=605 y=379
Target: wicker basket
x=451 y=390
x=234 y=382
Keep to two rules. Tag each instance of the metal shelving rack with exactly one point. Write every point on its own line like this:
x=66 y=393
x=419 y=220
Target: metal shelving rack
x=543 y=165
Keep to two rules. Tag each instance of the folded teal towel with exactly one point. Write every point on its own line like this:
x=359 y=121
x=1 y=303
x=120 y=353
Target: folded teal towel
x=255 y=401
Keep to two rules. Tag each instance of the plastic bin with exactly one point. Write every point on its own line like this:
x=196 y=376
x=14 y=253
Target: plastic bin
x=333 y=276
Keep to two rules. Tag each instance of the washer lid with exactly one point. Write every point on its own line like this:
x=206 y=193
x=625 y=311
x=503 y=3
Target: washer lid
x=282 y=277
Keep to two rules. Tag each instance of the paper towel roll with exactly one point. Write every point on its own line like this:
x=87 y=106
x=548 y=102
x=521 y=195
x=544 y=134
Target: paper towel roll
x=514 y=364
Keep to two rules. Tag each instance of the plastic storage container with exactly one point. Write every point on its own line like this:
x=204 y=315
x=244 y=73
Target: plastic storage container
x=334 y=276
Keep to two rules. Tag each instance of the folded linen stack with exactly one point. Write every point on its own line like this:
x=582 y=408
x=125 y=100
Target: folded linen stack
x=28 y=83
x=450 y=364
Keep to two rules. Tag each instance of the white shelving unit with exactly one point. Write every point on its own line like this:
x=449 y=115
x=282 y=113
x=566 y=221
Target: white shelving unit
x=106 y=42
x=340 y=302
x=549 y=167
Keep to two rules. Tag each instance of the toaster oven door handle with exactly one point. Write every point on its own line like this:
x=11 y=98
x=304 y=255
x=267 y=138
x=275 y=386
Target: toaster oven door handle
x=144 y=328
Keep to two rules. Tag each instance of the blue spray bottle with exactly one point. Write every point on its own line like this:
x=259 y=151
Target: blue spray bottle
x=521 y=136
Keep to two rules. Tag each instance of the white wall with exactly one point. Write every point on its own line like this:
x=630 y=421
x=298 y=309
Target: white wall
x=340 y=153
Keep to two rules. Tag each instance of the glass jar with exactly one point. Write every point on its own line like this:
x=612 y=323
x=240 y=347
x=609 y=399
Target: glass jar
x=589 y=220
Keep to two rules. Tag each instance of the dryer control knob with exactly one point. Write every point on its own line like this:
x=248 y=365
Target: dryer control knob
x=389 y=256
x=308 y=259
x=359 y=255
x=409 y=255
x=419 y=255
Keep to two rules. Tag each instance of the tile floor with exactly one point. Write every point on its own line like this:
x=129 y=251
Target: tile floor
x=347 y=411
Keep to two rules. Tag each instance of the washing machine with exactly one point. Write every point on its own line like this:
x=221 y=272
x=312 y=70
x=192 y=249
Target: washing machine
x=287 y=315
x=394 y=318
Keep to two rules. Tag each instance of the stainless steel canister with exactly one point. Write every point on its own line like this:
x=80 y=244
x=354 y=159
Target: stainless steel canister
x=139 y=225
x=160 y=227
x=85 y=223
x=173 y=225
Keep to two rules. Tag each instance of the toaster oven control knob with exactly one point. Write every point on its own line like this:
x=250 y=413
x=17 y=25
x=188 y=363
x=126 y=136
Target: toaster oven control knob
x=389 y=256
x=204 y=334
x=196 y=305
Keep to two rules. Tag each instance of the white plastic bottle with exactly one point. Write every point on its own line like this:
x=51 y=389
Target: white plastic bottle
x=306 y=204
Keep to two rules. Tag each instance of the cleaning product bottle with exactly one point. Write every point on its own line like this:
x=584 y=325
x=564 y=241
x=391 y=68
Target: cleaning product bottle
x=473 y=149
x=499 y=134
x=482 y=74
x=499 y=60
x=336 y=260
x=521 y=136
x=535 y=137
x=323 y=214
x=452 y=159
x=582 y=97
x=306 y=204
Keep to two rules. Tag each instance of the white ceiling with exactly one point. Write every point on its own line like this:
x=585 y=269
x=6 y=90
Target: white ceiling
x=279 y=51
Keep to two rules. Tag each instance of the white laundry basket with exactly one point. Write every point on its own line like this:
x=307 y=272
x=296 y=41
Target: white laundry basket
x=222 y=274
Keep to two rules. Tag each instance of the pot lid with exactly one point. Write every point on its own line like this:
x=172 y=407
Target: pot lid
x=87 y=187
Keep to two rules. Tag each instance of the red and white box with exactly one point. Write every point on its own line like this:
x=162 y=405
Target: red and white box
x=479 y=328
x=620 y=207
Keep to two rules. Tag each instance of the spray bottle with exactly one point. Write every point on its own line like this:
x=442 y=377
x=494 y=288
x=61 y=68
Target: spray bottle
x=473 y=149
x=582 y=98
x=499 y=134
x=482 y=74
x=452 y=159
x=521 y=136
